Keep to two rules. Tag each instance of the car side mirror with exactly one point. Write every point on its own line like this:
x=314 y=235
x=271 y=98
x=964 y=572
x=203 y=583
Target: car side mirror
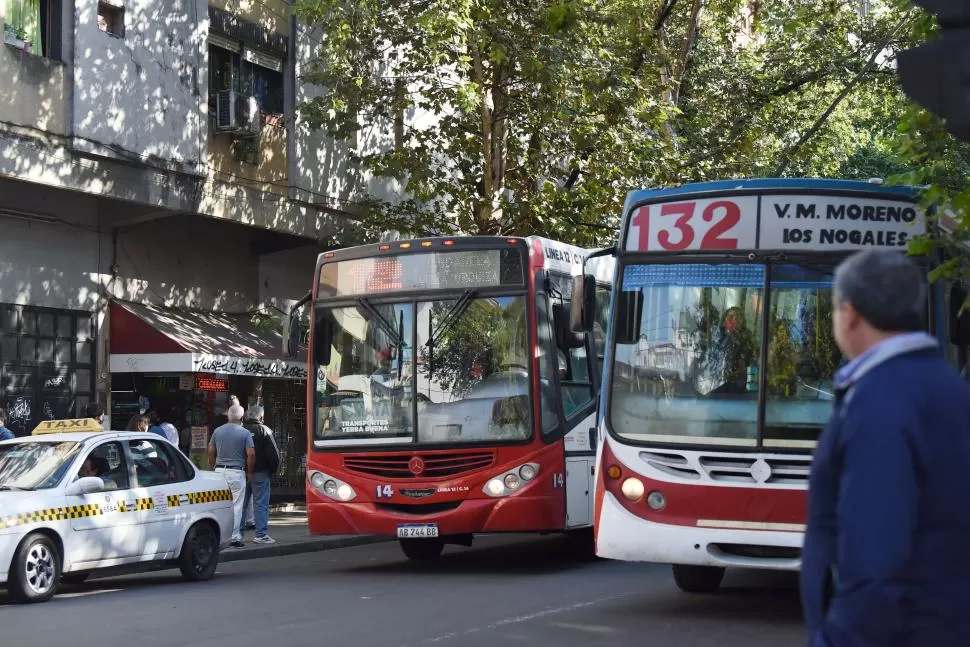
x=583 y=304
x=323 y=339
x=291 y=333
x=85 y=485
x=629 y=310
x=566 y=339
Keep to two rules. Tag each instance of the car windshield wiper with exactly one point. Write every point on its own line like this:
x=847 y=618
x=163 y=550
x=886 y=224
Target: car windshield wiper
x=11 y=488
x=452 y=316
x=384 y=325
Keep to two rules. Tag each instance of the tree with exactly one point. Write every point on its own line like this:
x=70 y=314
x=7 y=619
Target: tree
x=538 y=117
x=941 y=164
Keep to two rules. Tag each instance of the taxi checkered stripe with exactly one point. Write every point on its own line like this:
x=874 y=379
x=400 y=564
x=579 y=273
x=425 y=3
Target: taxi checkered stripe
x=135 y=505
x=50 y=514
x=193 y=498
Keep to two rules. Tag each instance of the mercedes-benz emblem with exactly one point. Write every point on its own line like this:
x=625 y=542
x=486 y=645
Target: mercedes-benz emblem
x=416 y=465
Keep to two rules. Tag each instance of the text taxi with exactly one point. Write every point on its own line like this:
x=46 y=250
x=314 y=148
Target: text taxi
x=75 y=499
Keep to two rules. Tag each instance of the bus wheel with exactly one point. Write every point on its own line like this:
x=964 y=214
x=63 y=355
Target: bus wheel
x=422 y=549
x=698 y=579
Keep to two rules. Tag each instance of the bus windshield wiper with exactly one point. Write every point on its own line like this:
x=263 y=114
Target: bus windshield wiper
x=384 y=325
x=454 y=314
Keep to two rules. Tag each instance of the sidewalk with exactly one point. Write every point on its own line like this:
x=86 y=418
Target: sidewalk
x=289 y=529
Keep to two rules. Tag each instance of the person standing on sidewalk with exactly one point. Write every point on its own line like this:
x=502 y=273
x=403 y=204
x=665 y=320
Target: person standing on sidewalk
x=884 y=561
x=266 y=465
x=232 y=453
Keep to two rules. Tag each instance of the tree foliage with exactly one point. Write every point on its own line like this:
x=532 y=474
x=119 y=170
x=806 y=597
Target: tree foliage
x=517 y=117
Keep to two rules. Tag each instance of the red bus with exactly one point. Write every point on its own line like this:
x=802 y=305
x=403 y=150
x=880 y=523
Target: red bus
x=448 y=396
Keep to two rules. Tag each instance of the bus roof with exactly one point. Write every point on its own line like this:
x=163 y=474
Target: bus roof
x=772 y=184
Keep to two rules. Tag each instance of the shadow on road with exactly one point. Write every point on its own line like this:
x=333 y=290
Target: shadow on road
x=527 y=557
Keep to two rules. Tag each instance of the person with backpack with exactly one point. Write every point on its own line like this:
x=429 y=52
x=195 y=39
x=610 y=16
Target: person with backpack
x=266 y=466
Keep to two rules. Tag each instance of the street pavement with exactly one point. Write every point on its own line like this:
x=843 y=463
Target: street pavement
x=513 y=590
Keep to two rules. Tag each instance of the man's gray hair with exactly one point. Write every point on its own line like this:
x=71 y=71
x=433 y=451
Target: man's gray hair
x=885 y=287
x=235 y=413
x=255 y=412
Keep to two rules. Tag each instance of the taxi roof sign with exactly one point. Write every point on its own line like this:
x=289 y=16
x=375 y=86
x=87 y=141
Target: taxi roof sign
x=67 y=426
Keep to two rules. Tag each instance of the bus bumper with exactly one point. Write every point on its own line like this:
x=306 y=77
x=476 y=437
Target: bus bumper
x=513 y=514
x=624 y=536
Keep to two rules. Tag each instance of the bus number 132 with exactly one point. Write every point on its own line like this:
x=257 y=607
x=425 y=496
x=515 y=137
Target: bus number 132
x=674 y=226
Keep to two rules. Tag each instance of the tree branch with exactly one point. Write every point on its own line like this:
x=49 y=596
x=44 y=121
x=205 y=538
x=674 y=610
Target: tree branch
x=787 y=155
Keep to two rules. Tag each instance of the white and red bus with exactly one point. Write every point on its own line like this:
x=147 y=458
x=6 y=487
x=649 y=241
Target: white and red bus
x=719 y=364
x=449 y=396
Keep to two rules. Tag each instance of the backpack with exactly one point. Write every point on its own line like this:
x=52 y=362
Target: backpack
x=267 y=454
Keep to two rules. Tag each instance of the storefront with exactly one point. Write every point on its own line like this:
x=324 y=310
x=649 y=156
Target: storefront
x=185 y=365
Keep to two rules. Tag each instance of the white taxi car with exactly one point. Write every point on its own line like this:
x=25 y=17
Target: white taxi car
x=75 y=499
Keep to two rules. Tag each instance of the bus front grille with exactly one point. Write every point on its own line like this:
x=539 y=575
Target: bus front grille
x=419 y=508
x=402 y=466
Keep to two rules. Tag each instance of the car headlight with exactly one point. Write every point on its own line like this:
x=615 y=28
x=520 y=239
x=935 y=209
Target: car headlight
x=511 y=481
x=331 y=487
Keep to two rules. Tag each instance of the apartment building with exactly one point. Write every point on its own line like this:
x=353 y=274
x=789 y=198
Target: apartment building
x=155 y=193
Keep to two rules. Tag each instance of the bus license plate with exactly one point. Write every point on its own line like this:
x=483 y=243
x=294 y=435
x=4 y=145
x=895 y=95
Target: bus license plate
x=423 y=530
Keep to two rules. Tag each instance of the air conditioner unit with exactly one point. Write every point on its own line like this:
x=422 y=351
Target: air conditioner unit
x=238 y=114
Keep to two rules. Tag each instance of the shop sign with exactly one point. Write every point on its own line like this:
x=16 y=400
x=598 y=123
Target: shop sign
x=208 y=383
x=249 y=367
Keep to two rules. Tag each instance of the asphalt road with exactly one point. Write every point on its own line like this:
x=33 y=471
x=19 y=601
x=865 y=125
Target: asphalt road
x=505 y=591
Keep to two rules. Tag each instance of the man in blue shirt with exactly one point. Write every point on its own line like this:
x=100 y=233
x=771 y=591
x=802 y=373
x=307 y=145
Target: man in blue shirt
x=5 y=434
x=884 y=562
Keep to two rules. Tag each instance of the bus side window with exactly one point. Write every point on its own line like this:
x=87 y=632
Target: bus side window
x=575 y=371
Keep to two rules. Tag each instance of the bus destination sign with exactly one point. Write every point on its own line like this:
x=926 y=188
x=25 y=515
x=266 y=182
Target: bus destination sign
x=480 y=268
x=775 y=222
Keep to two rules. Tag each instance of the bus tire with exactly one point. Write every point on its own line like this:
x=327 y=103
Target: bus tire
x=698 y=579
x=35 y=571
x=422 y=549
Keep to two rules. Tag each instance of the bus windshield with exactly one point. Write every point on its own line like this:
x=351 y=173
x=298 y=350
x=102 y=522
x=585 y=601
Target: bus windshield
x=429 y=369
x=694 y=373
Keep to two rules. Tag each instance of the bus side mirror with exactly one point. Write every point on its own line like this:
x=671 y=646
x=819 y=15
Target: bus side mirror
x=566 y=339
x=959 y=328
x=291 y=333
x=583 y=304
x=629 y=310
x=323 y=339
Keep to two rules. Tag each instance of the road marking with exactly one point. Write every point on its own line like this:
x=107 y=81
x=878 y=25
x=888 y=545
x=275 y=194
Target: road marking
x=505 y=622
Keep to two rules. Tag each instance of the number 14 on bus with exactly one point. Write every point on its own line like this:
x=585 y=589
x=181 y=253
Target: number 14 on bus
x=716 y=224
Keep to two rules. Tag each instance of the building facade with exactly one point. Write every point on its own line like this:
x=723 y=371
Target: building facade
x=149 y=158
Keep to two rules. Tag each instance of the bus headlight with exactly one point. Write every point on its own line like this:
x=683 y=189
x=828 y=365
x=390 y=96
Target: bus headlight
x=511 y=481
x=317 y=480
x=656 y=500
x=345 y=492
x=331 y=487
x=632 y=489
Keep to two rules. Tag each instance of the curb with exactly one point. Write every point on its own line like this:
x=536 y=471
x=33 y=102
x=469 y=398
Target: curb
x=297 y=548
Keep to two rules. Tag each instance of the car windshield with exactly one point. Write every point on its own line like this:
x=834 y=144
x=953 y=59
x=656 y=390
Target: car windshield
x=467 y=382
x=693 y=374
x=34 y=465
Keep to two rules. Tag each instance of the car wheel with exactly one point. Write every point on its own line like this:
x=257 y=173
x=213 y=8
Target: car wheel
x=35 y=571
x=200 y=553
x=698 y=579
x=422 y=549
